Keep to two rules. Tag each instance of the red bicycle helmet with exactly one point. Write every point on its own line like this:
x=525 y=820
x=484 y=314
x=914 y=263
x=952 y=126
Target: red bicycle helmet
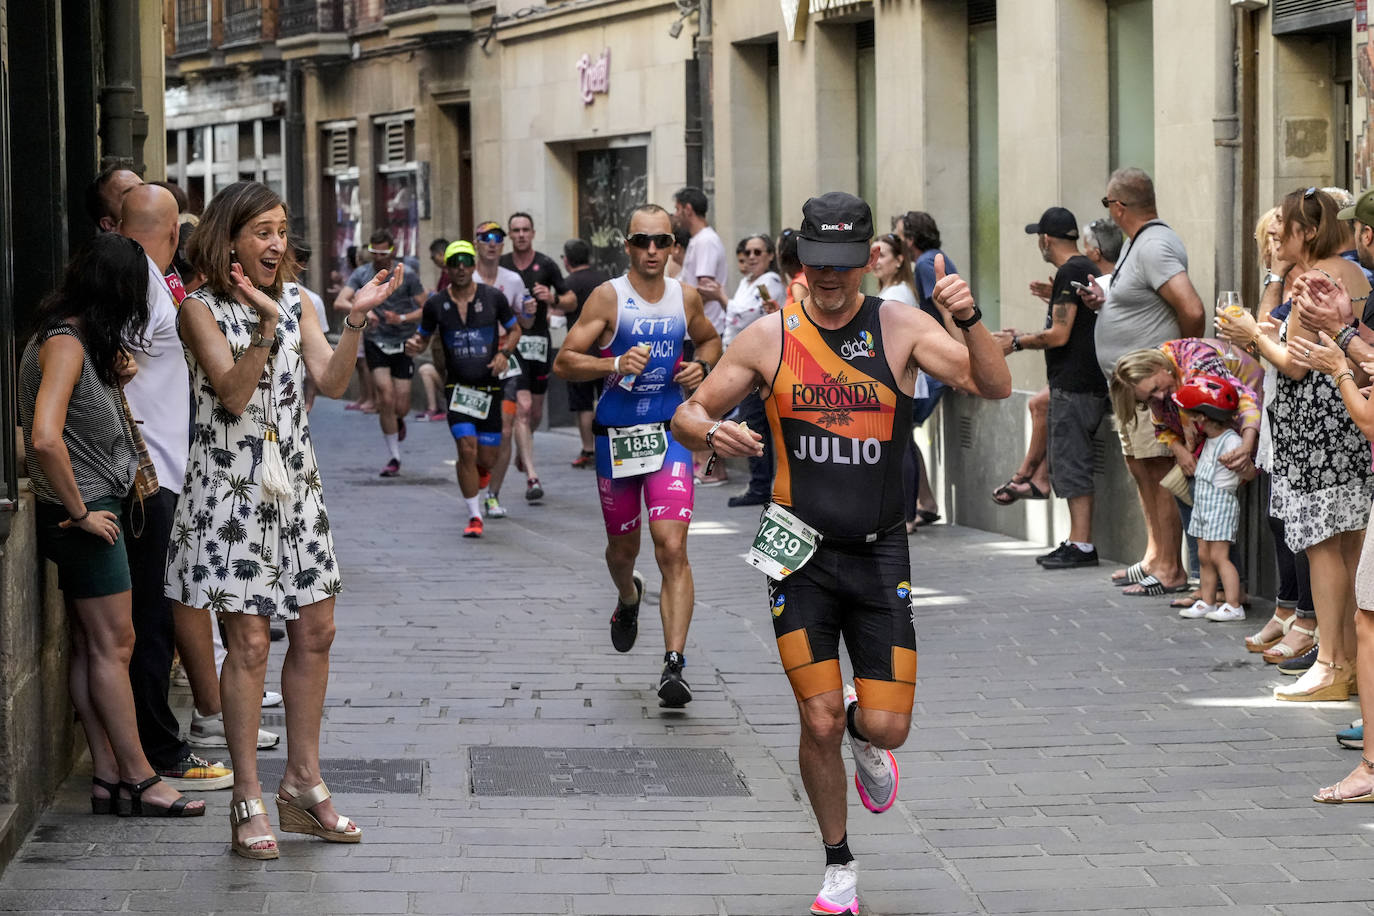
x=1209 y=395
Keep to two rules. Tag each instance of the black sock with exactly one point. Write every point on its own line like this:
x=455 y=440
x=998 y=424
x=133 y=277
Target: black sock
x=849 y=722
x=839 y=853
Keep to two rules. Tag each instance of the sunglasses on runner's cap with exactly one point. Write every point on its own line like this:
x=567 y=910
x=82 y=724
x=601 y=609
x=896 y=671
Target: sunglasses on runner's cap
x=644 y=240
x=492 y=235
x=461 y=260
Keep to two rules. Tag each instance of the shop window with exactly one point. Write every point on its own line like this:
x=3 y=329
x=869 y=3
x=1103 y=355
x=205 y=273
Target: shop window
x=398 y=182
x=1131 y=84
x=985 y=222
x=342 y=204
x=610 y=184
x=248 y=145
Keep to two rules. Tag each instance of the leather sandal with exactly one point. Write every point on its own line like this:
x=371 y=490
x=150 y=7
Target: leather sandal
x=105 y=805
x=1281 y=651
x=133 y=806
x=1331 y=795
x=294 y=815
x=1255 y=644
x=240 y=812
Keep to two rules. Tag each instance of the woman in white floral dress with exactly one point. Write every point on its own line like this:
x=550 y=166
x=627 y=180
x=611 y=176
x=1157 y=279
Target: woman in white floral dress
x=251 y=539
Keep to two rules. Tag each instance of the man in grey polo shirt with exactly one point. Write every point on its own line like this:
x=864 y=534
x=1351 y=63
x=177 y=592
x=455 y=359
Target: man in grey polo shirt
x=1151 y=300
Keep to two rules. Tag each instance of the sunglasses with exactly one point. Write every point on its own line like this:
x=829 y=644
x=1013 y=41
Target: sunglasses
x=371 y=250
x=644 y=240
x=838 y=270
x=754 y=252
x=461 y=260
x=493 y=235
x=1108 y=201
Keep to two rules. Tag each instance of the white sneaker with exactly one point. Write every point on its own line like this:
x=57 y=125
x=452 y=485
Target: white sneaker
x=208 y=731
x=270 y=698
x=179 y=678
x=875 y=769
x=839 y=892
x=1200 y=608
x=1226 y=613
x=494 y=509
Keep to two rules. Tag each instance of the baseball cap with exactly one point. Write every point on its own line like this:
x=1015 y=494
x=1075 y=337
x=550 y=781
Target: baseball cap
x=488 y=226
x=835 y=231
x=1056 y=222
x=462 y=246
x=1362 y=211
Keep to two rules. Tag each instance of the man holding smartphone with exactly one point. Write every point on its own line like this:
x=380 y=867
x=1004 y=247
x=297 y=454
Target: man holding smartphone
x=1078 y=390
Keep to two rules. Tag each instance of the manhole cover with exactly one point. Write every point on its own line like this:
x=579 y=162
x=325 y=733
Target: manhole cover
x=350 y=775
x=641 y=771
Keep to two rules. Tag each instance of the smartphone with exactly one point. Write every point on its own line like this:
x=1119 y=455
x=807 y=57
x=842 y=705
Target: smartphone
x=1082 y=287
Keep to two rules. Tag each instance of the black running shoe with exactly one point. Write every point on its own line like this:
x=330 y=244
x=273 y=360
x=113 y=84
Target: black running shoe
x=1067 y=556
x=625 y=620
x=673 y=692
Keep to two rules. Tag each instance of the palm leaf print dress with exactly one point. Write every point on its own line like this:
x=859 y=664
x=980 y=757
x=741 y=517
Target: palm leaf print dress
x=235 y=549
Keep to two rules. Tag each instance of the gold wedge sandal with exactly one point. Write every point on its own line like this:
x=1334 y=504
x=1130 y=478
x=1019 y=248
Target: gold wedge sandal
x=293 y=814
x=240 y=812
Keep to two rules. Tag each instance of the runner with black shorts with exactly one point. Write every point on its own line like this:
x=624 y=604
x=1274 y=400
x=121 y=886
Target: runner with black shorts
x=583 y=278
x=836 y=372
x=469 y=317
x=389 y=326
x=546 y=290
x=637 y=323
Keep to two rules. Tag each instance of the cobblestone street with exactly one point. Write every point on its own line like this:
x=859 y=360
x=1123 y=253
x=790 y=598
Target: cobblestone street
x=1073 y=750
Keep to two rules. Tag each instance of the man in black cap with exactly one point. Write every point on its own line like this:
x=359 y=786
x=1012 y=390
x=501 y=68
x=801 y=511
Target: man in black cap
x=838 y=371
x=1078 y=390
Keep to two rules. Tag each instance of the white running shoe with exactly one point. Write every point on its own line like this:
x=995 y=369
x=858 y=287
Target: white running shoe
x=270 y=698
x=839 y=892
x=493 y=508
x=208 y=731
x=1226 y=613
x=1199 y=608
x=875 y=769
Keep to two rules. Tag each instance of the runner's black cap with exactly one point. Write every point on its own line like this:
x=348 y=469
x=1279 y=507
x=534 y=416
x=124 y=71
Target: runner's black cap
x=835 y=231
x=1057 y=223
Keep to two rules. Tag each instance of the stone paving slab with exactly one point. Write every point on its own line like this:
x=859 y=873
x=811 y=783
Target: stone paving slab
x=1074 y=750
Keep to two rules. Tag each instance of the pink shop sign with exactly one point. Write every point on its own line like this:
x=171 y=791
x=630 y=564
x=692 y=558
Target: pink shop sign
x=594 y=75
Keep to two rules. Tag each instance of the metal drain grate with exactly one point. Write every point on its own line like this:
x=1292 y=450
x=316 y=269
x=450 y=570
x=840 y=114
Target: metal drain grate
x=348 y=775
x=402 y=481
x=539 y=772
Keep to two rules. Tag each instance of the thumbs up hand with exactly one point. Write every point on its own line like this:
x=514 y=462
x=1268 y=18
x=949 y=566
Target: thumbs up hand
x=951 y=293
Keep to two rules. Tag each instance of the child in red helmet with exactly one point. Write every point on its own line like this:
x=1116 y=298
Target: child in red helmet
x=1216 y=510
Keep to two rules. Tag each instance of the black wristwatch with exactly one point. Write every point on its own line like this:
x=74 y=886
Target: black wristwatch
x=964 y=324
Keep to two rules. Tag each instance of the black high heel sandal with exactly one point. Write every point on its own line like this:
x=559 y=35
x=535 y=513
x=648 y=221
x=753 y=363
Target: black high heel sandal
x=133 y=805
x=104 y=805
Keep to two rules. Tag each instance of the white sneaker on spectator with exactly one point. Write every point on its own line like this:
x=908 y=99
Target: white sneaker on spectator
x=270 y=698
x=208 y=731
x=1226 y=613
x=1200 y=608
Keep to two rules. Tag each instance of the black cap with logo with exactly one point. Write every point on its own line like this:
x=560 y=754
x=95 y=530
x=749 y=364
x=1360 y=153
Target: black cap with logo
x=836 y=230
x=1056 y=222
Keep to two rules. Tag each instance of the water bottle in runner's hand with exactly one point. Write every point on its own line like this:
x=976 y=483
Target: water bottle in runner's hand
x=628 y=381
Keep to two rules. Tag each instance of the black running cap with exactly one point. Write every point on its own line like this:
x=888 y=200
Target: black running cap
x=1057 y=223
x=836 y=229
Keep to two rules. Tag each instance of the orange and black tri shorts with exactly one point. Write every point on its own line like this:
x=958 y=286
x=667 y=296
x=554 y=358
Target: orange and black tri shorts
x=862 y=593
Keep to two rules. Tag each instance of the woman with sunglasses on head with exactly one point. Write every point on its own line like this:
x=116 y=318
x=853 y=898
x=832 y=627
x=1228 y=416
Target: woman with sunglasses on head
x=81 y=468
x=252 y=540
x=760 y=292
x=1321 y=486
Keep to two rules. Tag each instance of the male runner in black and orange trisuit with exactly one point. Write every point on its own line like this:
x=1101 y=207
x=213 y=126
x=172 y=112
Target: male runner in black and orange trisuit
x=836 y=372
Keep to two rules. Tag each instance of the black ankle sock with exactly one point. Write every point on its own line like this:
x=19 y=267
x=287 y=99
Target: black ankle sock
x=849 y=722
x=839 y=853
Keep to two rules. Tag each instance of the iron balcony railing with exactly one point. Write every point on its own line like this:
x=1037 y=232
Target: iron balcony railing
x=305 y=17
x=244 y=26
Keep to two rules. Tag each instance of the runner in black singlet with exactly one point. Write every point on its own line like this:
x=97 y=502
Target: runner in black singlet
x=836 y=373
